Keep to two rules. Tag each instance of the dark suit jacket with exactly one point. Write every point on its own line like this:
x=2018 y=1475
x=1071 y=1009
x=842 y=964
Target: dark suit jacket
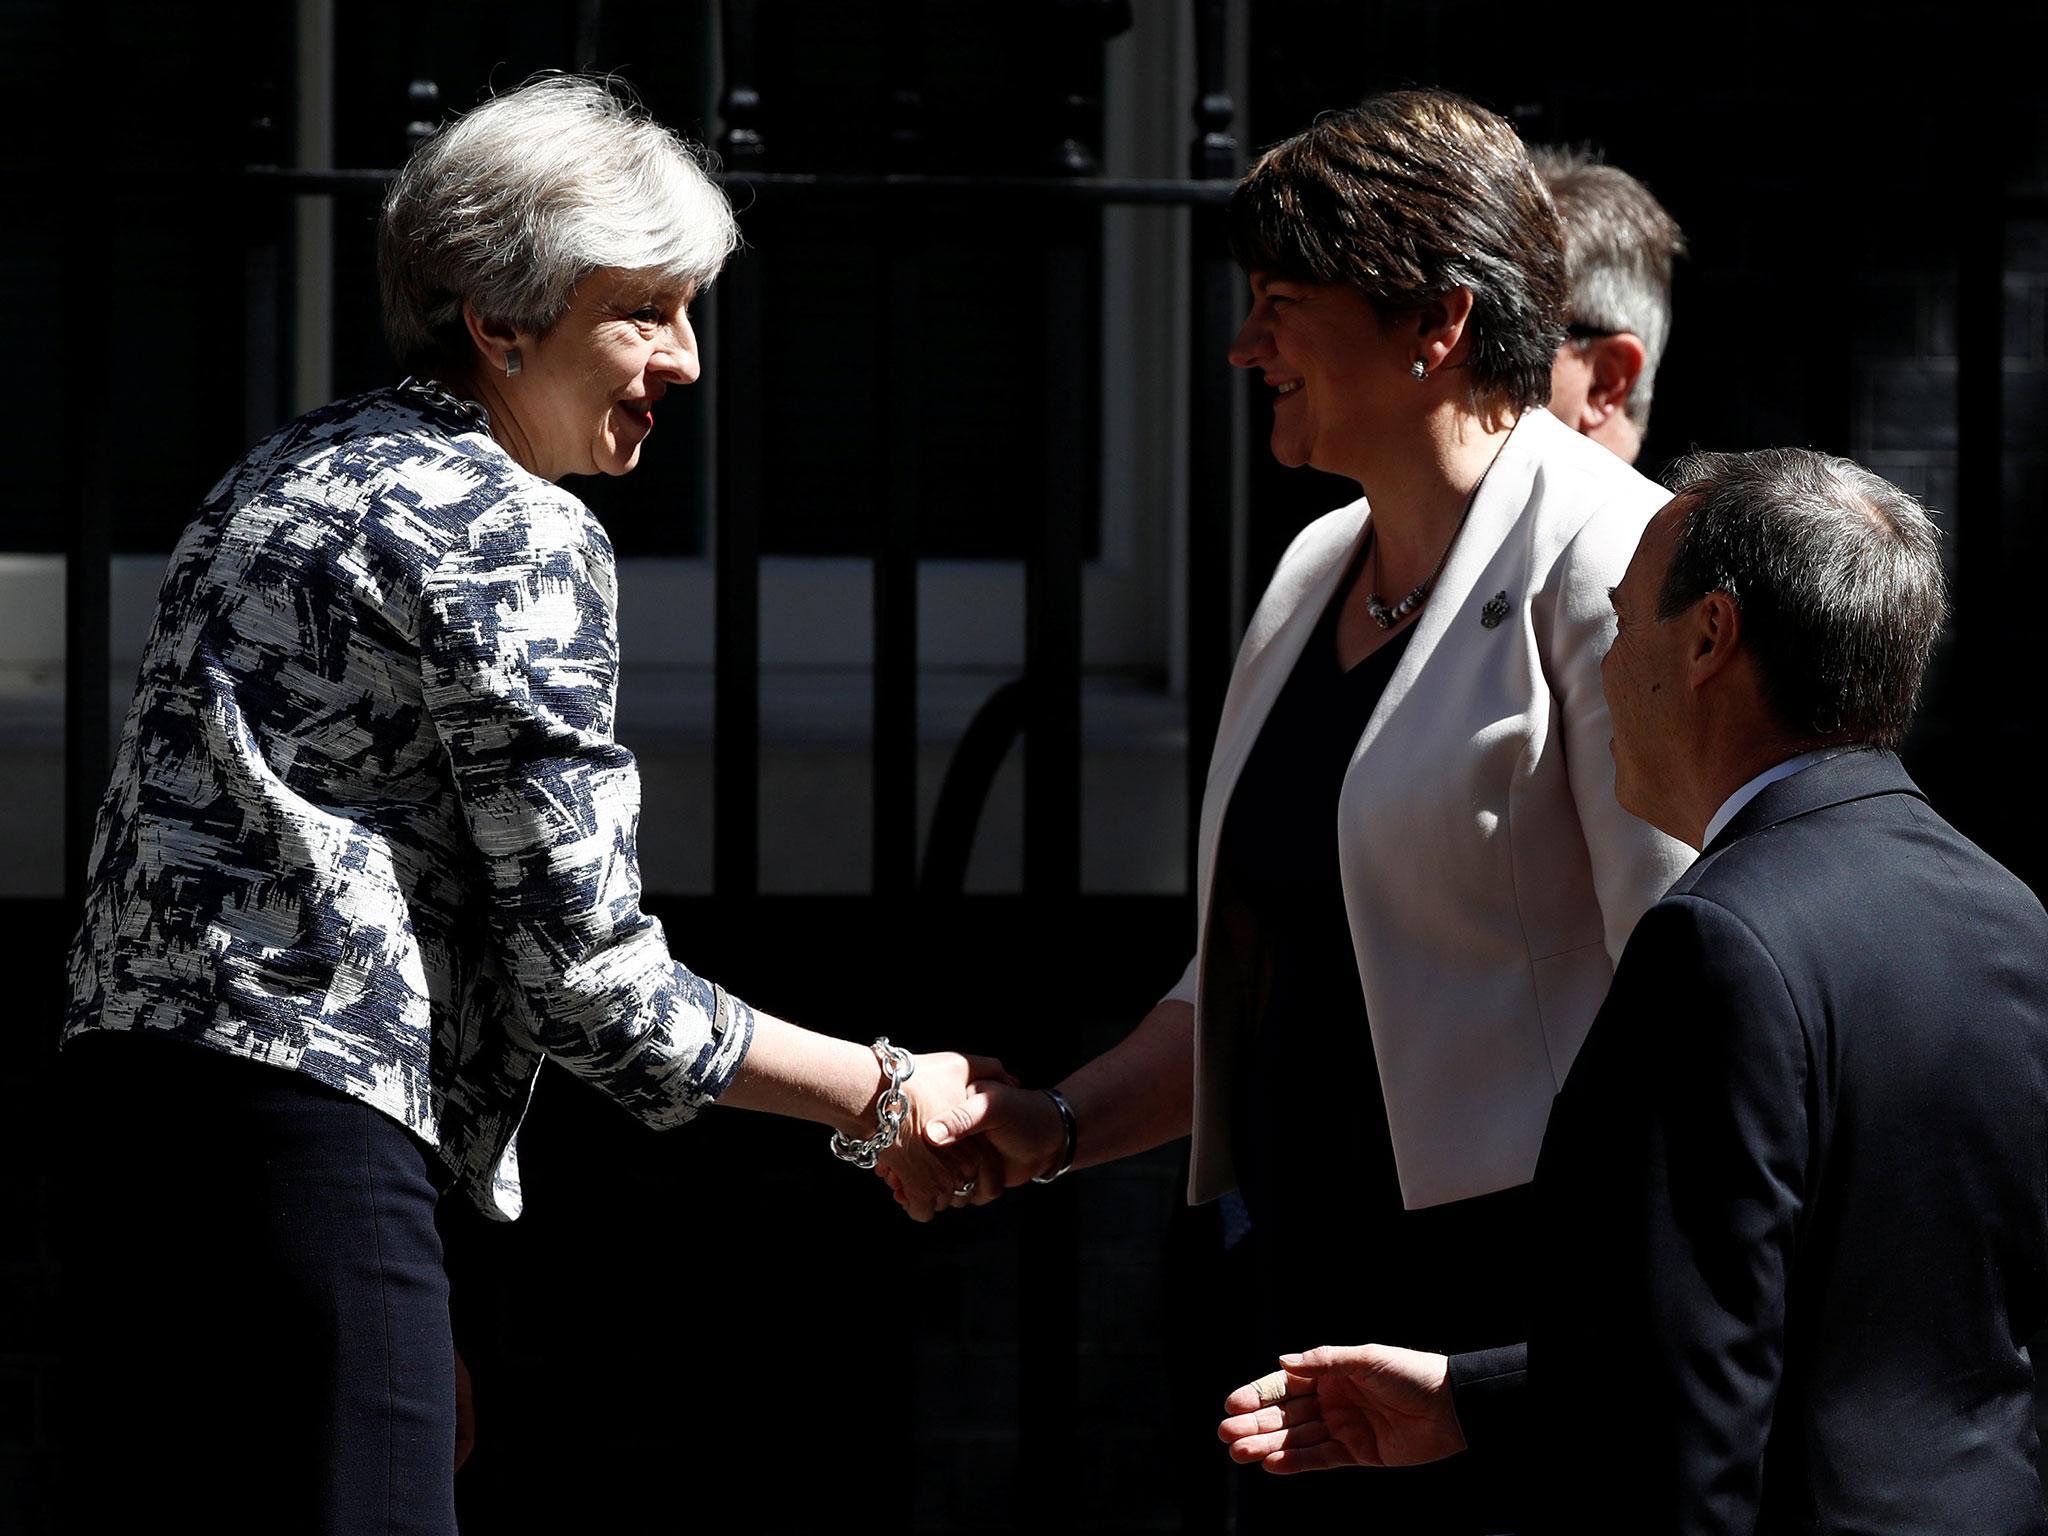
x=1797 y=1191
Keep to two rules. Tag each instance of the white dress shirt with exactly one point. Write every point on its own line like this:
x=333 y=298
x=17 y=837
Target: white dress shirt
x=1756 y=786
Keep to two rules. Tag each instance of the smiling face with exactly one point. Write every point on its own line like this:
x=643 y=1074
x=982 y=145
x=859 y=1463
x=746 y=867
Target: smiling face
x=585 y=394
x=1643 y=677
x=1333 y=370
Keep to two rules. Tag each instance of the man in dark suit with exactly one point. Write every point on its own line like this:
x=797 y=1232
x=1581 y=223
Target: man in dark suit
x=1796 y=1184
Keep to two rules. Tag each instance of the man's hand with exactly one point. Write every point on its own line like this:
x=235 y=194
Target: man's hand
x=928 y=1176
x=1368 y=1405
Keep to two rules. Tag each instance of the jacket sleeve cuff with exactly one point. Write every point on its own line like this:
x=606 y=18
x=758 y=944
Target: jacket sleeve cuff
x=1489 y=1392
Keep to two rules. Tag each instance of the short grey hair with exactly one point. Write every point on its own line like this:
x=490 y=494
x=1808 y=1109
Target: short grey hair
x=512 y=205
x=1836 y=572
x=1619 y=247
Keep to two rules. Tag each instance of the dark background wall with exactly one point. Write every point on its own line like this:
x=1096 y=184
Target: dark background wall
x=722 y=1327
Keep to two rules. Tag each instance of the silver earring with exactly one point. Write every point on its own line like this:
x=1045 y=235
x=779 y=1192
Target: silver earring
x=512 y=363
x=1418 y=370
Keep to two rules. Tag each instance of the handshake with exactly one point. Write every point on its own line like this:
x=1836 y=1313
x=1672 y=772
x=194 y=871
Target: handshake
x=969 y=1131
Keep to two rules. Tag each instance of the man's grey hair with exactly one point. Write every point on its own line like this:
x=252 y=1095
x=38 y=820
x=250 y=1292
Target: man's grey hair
x=1836 y=573
x=1619 y=246
x=515 y=203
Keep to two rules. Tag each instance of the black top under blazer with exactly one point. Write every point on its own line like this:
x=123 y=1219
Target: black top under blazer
x=1797 y=1183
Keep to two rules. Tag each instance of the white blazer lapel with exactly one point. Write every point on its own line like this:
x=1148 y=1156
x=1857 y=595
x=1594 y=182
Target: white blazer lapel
x=1454 y=600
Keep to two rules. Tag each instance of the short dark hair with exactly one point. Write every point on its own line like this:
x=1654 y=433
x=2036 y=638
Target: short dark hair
x=1405 y=197
x=1619 y=247
x=1836 y=572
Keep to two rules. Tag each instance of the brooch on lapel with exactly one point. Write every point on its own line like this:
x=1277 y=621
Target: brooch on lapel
x=1495 y=610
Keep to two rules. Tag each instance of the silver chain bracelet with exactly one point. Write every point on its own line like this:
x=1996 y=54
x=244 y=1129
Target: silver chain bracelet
x=889 y=1109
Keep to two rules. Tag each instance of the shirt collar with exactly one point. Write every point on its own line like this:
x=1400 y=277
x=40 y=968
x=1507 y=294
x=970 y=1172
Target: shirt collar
x=1756 y=786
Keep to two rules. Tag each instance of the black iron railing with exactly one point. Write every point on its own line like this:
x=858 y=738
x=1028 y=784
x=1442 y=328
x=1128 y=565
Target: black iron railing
x=1981 y=545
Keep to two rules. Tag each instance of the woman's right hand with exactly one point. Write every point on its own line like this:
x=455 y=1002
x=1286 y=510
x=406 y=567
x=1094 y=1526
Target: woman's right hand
x=924 y=1178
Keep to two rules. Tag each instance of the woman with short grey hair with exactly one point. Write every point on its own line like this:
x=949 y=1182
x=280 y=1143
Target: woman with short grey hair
x=508 y=209
x=367 y=859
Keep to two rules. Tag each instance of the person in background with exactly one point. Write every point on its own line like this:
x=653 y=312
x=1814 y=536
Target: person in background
x=1798 y=1231
x=1619 y=248
x=1413 y=876
x=367 y=861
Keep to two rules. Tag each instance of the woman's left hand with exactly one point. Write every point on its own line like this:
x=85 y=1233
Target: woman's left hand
x=925 y=1178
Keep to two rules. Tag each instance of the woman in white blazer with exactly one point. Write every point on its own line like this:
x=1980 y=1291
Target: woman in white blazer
x=1414 y=879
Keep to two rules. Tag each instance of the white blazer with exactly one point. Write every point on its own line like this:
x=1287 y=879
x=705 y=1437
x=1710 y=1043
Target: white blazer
x=1489 y=875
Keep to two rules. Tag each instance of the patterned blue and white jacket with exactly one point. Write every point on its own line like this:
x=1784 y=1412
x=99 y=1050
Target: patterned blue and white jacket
x=368 y=822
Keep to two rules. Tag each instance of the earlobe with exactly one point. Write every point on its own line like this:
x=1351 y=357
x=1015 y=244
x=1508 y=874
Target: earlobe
x=496 y=341
x=1593 y=412
x=1440 y=325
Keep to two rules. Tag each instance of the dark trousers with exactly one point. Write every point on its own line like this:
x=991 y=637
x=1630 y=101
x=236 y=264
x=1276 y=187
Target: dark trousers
x=256 y=1309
